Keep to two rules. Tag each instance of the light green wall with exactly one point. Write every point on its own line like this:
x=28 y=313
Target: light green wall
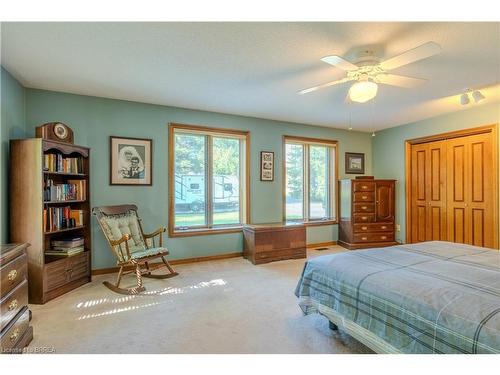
x=12 y=97
x=95 y=119
x=388 y=146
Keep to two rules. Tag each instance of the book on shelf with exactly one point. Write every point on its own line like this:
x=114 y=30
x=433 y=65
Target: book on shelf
x=57 y=218
x=65 y=252
x=77 y=216
x=72 y=190
x=65 y=247
x=81 y=188
x=60 y=164
x=67 y=242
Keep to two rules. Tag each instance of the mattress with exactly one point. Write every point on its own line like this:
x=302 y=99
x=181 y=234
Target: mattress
x=431 y=297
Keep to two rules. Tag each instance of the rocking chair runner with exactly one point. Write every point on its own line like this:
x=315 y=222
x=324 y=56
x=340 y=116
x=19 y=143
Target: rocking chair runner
x=132 y=247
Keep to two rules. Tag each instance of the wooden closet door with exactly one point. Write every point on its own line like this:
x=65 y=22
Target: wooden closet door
x=419 y=195
x=470 y=190
x=428 y=191
x=436 y=187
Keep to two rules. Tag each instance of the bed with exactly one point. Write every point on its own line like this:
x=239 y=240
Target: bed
x=431 y=297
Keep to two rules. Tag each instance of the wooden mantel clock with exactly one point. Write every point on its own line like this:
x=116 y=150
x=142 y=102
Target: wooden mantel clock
x=55 y=131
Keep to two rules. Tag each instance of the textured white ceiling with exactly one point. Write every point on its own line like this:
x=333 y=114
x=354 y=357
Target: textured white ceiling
x=254 y=69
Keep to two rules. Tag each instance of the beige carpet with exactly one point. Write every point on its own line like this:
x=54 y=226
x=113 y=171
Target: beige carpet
x=225 y=306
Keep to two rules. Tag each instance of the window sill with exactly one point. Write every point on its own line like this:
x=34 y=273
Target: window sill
x=315 y=223
x=203 y=231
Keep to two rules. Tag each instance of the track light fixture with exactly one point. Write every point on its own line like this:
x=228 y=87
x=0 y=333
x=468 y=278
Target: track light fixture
x=464 y=99
x=476 y=95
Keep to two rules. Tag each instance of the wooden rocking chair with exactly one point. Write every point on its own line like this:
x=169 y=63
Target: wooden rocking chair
x=132 y=247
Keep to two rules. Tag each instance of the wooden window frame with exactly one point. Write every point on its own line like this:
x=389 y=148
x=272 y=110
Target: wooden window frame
x=332 y=182
x=245 y=169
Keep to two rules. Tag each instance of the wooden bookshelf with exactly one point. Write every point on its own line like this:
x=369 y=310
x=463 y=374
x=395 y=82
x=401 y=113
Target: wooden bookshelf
x=64 y=202
x=65 y=174
x=48 y=276
x=64 y=230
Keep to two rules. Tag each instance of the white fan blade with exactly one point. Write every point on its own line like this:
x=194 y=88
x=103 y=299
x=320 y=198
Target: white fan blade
x=418 y=53
x=311 y=89
x=401 y=81
x=339 y=62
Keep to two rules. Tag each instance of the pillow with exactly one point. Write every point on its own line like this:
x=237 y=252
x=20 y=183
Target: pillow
x=116 y=226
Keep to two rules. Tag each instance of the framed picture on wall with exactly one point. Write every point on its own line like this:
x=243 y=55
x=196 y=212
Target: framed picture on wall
x=354 y=163
x=130 y=161
x=267 y=166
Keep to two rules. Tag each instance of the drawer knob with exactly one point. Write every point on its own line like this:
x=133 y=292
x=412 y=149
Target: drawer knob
x=364 y=238
x=13 y=304
x=364 y=197
x=383 y=237
x=363 y=187
x=364 y=217
x=364 y=228
x=384 y=227
x=11 y=276
x=14 y=335
x=364 y=207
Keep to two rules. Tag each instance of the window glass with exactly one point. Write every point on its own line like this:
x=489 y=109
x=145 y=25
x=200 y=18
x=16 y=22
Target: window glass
x=310 y=179
x=318 y=182
x=226 y=180
x=189 y=176
x=294 y=189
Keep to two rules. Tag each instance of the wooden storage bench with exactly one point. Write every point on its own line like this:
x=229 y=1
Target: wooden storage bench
x=265 y=243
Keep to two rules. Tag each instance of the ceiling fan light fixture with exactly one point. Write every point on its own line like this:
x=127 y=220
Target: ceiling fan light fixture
x=478 y=96
x=363 y=91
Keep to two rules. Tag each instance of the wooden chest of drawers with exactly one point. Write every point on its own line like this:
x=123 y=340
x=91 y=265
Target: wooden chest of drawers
x=366 y=213
x=15 y=331
x=265 y=243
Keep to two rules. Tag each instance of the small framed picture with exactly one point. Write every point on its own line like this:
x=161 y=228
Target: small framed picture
x=354 y=163
x=130 y=161
x=267 y=166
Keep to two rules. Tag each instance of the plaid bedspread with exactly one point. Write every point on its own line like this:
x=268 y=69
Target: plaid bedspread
x=432 y=297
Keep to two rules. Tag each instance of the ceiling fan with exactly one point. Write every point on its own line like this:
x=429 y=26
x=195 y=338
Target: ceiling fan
x=369 y=71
